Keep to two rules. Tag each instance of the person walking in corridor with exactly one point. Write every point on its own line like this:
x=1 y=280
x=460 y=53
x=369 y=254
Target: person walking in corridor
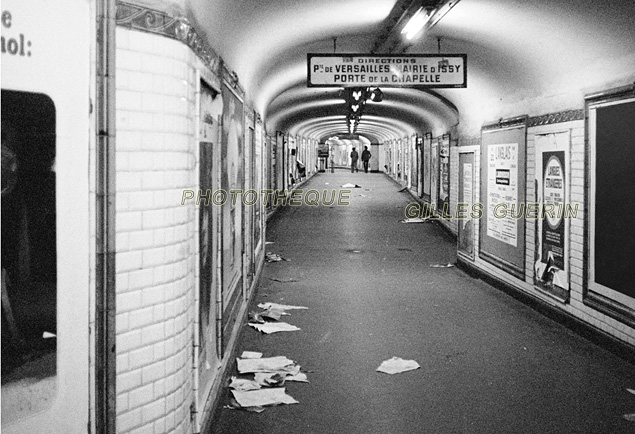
x=365 y=158
x=354 y=158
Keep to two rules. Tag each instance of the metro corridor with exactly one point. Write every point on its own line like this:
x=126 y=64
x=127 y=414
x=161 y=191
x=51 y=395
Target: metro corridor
x=489 y=363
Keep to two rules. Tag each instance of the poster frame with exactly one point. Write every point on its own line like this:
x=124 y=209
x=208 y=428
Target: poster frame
x=466 y=150
x=561 y=293
x=492 y=250
x=595 y=297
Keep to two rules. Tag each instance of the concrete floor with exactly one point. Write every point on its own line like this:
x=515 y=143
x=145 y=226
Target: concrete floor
x=489 y=364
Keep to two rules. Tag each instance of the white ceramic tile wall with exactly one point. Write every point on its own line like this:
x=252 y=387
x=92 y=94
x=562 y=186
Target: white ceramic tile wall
x=155 y=242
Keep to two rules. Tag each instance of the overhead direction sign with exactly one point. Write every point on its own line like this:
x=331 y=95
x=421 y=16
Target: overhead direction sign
x=386 y=70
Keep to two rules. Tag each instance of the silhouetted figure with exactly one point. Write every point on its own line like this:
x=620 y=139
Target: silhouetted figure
x=354 y=158
x=366 y=158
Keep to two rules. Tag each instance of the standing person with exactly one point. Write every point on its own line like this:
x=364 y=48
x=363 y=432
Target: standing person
x=354 y=158
x=365 y=158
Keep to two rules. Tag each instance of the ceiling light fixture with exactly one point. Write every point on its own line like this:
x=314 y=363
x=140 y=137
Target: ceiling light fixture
x=416 y=23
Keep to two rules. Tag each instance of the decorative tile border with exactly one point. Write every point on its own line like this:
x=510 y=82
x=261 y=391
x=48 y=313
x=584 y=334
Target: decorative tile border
x=556 y=118
x=506 y=123
x=160 y=23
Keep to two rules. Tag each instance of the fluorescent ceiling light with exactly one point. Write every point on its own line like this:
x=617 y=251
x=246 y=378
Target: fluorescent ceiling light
x=416 y=23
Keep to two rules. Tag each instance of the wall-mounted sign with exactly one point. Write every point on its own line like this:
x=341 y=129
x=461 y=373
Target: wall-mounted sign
x=386 y=70
x=323 y=150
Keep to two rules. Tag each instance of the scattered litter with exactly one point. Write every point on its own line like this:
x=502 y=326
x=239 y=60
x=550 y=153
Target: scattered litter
x=279 y=306
x=256 y=317
x=244 y=384
x=403 y=249
x=415 y=220
x=397 y=365
x=299 y=377
x=630 y=417
x=448 y=265
x=282 y=280
x=268 y=242
x=273 y=327
x=273 y=314
x=265 y=364
x=263 y=397
x=631 y=391
x=250 y=355
x=233 y=405
x=48 y=335
x=273 y=257
x=269 y=379
x=349 y=185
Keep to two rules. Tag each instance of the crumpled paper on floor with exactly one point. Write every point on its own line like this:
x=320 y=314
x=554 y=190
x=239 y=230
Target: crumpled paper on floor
x=273 y=257
x=265 y=364
x=263 y=397
x=274 y=327
x=397 y=365
x=244 y=384
x=268 y=379
x=415 y=220
x=273 y=314
x=448 y=265
x=277 y=306
x=250 y=355
x=349 y=185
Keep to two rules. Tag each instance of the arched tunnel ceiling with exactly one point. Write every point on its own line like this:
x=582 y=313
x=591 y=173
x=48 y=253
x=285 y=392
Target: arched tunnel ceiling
x=524 y=57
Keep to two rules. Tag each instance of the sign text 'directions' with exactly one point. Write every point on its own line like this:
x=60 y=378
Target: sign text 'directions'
x=386 y=70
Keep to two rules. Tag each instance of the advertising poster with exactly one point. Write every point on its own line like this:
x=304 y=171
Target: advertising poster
x=466 y=196
x=551 y=267
x=434 y=171
x=444 y=173
x=502 y=190
x=210 y=106
x=232 y=179
x=258 y=184
x=46 y=248
x=427 y=145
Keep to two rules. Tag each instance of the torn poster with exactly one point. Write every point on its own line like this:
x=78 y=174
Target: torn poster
x=397 y=365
